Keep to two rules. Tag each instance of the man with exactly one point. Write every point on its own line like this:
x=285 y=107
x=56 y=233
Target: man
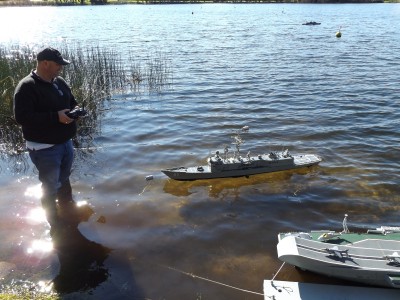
x=41 y=101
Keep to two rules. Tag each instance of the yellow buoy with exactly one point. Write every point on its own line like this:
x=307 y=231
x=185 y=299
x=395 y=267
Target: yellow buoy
x=339 y=34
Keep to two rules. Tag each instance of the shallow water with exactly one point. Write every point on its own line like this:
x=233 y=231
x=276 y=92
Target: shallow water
x=297 y=87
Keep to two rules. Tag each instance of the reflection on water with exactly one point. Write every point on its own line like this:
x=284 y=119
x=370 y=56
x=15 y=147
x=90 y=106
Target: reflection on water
x=36 y=215
x=217 y=188
x=40 y=246
x=81 y=261
x=18 y=163
x=61 y=260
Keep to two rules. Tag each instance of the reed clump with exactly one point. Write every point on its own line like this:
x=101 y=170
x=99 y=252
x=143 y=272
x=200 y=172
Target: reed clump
x=14 y=65
x=95 y=75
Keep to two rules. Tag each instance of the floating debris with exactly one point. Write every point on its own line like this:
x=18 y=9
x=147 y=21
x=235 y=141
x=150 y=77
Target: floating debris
x=311 y=23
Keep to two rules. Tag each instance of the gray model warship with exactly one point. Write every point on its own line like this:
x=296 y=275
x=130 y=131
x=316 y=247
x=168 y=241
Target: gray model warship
x=222 y=166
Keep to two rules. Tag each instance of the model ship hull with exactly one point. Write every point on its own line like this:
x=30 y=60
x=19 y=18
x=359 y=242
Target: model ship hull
x=223 y=168
x=365 y=258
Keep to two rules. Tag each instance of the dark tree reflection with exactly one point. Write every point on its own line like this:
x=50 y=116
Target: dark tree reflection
x=81 y=260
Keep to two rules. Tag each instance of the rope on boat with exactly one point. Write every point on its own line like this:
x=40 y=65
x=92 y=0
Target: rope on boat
x=210 y=280
x=278 y=271
x=279 y=288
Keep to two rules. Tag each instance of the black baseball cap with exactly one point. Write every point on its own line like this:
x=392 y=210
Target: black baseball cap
x=52 y=55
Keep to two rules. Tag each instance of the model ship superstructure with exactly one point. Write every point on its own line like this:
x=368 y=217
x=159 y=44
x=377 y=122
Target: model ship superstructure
x=221 y=166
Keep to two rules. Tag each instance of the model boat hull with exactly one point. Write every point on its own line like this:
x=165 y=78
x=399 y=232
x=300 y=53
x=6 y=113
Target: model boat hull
x=365 y=258
x=244 y=167
x=287 y=290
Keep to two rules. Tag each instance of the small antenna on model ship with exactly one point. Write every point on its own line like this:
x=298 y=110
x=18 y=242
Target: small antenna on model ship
x=226 y=150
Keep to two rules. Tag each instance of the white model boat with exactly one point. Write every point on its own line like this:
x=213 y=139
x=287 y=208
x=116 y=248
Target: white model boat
x=371 y=258
x=222 y=166
x=287 y=290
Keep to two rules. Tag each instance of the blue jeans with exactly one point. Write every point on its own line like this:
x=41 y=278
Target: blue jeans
x=54 y=165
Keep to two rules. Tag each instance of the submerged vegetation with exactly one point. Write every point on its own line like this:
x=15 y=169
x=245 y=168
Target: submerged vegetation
x=95 y=75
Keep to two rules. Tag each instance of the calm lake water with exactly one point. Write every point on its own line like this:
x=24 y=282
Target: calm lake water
x=297 y=87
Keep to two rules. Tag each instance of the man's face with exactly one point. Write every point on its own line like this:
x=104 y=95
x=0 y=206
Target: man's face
x=53 y=69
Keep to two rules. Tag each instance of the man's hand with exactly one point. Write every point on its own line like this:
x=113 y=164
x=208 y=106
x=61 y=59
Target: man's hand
x=63 y=118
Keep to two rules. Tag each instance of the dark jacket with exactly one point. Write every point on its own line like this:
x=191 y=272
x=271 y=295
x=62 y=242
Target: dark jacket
x=36 y=106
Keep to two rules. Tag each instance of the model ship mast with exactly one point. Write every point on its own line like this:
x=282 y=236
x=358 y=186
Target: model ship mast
x=237 y=141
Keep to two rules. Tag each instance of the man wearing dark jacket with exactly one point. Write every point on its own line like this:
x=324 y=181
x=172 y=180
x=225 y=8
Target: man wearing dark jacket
x=41 y=101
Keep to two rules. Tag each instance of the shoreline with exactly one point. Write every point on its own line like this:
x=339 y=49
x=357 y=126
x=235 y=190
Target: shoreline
x=23 y=3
